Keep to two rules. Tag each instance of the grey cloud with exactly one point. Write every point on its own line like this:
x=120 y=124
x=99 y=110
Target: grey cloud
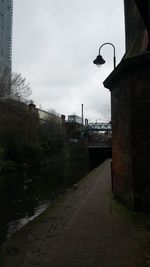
x=54 y=44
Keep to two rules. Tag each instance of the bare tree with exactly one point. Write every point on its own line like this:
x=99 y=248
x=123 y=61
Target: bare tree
x=53 y=112
x=107 y=113
x=20 y=89
x=13 y=86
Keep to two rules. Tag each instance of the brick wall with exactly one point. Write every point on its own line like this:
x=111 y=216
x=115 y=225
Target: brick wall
x=140 y=120
x=130 y=96
x=121 y=142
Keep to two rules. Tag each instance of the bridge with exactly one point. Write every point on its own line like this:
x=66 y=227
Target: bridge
x=99 y=126
x=98 y=152
x=99 y=144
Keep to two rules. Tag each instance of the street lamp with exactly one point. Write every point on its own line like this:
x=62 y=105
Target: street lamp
x=100 y=61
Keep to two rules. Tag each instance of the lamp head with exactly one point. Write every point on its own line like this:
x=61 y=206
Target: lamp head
x=99 y=61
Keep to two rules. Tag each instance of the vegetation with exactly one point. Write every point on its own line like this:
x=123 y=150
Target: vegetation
x=24 y=139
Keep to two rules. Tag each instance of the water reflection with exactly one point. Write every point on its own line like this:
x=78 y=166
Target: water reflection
x=24 y=195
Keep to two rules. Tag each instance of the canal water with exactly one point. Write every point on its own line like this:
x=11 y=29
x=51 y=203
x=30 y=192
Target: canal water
x=24 y=195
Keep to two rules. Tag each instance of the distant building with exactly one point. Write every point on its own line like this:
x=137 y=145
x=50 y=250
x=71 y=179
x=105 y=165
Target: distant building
x=74 y=128
x=74 y=119
x=46 y=116
x=6 y=7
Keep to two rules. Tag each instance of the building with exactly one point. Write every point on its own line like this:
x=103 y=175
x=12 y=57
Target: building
x=74 y=119
x=129 y=84
x=6 y=7
x=46 y=116
x=52 y=120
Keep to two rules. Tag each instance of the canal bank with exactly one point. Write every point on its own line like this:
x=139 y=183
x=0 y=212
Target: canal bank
x=82 y=228
x=25 y=194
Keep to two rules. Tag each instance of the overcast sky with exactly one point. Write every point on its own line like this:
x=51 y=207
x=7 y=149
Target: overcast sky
x=54 y=45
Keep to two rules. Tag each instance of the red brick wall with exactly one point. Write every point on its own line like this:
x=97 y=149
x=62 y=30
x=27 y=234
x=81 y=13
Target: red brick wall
x=140 y=120
x=121 y=141
x=130 y=96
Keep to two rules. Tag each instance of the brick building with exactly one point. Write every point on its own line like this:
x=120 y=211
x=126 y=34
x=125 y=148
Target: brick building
x=129 y=84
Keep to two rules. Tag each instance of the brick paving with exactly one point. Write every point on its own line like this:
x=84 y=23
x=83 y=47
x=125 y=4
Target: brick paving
x=82 y=230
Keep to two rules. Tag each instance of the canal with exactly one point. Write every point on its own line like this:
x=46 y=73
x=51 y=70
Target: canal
x=25 y=194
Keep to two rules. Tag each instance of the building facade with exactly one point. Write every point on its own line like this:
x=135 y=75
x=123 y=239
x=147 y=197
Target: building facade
x=6 y=7
x=129 y=84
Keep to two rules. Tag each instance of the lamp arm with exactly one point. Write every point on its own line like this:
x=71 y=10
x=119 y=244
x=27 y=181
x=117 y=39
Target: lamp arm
x=114 y=59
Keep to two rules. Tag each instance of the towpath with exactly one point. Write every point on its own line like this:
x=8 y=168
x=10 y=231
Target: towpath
x=82 y=229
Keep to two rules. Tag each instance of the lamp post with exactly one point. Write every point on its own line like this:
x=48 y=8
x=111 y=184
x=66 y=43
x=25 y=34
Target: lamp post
x=100 y=61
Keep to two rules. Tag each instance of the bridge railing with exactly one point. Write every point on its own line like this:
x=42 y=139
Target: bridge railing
x=99 y=126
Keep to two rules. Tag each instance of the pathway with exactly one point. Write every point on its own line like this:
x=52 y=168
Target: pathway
x=81 y=230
